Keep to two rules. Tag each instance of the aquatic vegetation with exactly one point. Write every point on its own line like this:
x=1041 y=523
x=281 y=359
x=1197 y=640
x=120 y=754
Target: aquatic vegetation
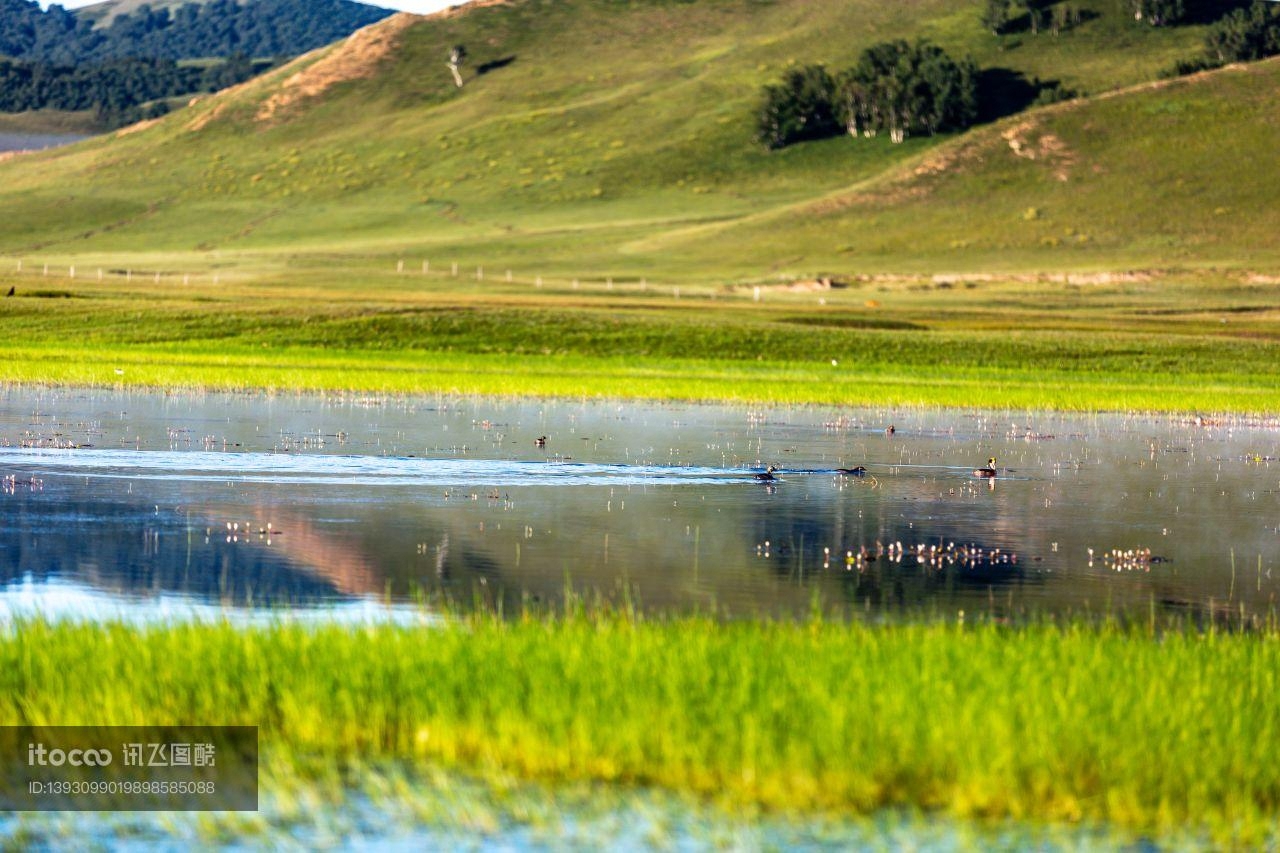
x=1147 y=726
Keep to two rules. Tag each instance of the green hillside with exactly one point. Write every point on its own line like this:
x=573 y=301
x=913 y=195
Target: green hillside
x=1112 y=251
x=1166 y=177
x=633 y=120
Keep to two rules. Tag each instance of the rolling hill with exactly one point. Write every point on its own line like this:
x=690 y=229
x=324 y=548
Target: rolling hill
x=598 y=138
x=591 y=214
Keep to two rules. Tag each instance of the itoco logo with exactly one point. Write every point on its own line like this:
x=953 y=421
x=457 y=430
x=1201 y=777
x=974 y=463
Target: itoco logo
x=37 y=754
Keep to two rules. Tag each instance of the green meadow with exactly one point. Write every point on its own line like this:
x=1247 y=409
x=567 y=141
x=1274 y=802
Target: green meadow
x=1165 y=345
x=1152 y=728
x=1110 y=252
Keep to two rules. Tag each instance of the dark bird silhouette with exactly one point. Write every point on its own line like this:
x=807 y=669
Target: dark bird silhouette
x=11 y=291
x=540 y=441
x=766 y=476
x=989 y=471
x=852 y=472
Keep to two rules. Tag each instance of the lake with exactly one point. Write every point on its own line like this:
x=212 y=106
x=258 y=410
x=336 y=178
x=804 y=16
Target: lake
x=148 y=505
x=36 y=141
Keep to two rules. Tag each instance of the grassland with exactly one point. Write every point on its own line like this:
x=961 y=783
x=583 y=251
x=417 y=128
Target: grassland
x=610 y=144
x=1147 y=345
x=1148 y=729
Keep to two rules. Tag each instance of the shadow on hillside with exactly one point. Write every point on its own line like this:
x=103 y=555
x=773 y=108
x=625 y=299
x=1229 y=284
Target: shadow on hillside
x=1208 y=11
x=494 y=64
x=1003 y=92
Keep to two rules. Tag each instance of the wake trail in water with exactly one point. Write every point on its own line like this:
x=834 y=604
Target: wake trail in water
x=196 y=466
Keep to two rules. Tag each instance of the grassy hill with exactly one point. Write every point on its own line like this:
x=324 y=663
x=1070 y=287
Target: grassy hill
x=632 y=120
x=611 y=144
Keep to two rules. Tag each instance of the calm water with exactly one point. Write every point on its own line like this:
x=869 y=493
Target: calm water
x=36 y=141
x=155 y=505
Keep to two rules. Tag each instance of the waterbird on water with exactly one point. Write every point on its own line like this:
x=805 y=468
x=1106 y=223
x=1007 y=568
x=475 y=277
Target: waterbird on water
x=540 y=441
x=988 y=471
x=766 y=476
x=852 y=472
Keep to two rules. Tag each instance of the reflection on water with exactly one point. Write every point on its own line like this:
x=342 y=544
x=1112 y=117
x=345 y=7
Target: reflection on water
x=32 y=599
x=255 y=502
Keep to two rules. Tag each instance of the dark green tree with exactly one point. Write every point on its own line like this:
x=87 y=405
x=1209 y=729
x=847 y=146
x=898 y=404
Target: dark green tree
x=1245 y=35
x=800 y=107
x=902 y=88
x=216 y=28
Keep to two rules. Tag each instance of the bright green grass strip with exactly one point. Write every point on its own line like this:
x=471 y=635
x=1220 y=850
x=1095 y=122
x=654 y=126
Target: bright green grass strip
x=425 y=372
x=1056 y=722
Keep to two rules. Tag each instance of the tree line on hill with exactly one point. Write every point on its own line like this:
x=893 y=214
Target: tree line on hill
x=193 y=31
x=1244 y=35
x=119 y=91
x=896 y=88
x=1239 y=31
x=1037 y=16
x=59 y=60
x=904 y=89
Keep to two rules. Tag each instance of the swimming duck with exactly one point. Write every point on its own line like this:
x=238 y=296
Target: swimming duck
x=540 y=441
x=766 y=476
x=989 y=471
x=852 y=472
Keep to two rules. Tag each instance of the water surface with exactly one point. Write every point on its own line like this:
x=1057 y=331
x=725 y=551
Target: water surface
x=36 y=141
x=165 y=504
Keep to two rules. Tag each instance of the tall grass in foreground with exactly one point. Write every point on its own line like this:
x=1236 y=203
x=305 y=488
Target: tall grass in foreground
x=1151 y=731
